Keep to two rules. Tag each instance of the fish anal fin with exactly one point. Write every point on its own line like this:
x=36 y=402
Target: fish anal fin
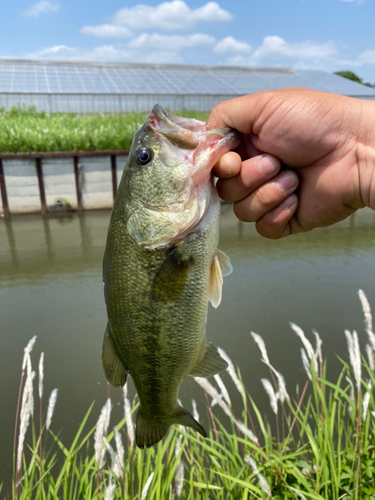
x=114 y=370
x=215 y=283
x=182 y=417
x=224 y=260
x=151 y=429
x=171 y=277
x=210 y=363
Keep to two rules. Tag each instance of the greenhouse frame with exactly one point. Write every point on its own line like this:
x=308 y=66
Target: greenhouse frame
x=92 y=87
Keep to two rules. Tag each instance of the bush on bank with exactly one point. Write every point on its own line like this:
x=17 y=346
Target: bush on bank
x=26 y=130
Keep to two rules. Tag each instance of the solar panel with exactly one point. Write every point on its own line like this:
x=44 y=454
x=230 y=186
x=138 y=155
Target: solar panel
x=127 y=79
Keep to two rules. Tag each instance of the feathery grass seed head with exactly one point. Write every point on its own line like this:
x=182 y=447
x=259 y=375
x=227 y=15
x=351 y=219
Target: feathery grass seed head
x=365 y=404
x=271 y=393
x=205 y=384
x=223 y=389
x=27 y=351
x=180 y=470
x=366 y=309
x=195 y=410
x=261 y=479
x=41 y=375
x=128 y=417
x=147 y=486
x=109 y=493
x=100 y=431
x=306 y=343
x=370 y=357
x=305 y=362
x=354 y=356
x=51 y=407
x=262 y=347
x=232 y=372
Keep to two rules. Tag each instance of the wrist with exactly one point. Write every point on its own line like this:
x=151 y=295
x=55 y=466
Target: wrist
x=366 y=154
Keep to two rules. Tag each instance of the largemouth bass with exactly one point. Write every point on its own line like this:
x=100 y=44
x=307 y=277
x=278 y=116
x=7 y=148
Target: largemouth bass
x=162 y=266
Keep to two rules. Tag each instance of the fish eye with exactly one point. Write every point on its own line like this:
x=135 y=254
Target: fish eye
x=143 y=156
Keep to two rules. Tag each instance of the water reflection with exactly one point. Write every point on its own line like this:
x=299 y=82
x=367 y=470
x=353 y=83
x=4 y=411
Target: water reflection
x=50 y=286
x=34 y=247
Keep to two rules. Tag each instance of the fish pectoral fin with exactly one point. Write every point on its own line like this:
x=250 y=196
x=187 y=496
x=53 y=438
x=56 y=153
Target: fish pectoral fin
x=151 y=429
x=224 y=261
x=215 y=283
x=114 y=370
x=210 y=363
x=171 y=277
x=220 y=267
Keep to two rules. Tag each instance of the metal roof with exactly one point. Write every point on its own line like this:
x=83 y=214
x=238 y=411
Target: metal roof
x=72 y=77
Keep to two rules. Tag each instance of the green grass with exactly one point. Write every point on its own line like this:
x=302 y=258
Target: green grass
x=324 y=447
x=25 y=130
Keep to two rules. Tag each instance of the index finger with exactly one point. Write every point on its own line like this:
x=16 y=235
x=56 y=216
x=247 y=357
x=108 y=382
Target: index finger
x=239 y=113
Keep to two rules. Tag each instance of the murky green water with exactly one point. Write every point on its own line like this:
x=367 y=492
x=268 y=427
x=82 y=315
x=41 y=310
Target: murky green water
x=50 y=286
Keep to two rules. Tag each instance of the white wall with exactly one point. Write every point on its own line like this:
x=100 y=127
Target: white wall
x=95 y=177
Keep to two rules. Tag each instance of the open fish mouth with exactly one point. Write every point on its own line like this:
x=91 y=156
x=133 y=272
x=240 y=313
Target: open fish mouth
x=205 y=146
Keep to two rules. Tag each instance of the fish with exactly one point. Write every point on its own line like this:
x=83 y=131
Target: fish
x=162 y=266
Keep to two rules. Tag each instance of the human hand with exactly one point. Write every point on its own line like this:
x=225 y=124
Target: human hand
x=326 y=143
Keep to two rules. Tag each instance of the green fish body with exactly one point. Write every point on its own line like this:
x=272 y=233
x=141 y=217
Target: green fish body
x=162 y=265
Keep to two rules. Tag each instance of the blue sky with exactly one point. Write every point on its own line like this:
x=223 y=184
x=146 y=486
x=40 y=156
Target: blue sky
x=324 y=34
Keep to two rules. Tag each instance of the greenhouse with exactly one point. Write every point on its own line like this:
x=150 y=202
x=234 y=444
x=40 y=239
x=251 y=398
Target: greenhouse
x=91 y=87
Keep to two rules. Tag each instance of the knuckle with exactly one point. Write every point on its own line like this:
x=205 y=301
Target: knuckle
x=264 y=197
x=243 y=214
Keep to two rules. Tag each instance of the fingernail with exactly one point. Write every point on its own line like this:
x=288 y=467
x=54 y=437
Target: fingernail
x=266 y=165
x=289 y=203
x=285 y=182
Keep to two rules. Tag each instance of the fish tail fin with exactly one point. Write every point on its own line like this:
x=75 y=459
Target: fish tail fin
x=151 y=429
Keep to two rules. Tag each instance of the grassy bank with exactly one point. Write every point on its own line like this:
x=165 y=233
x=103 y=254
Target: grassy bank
x=26 y=130
x=323 y=446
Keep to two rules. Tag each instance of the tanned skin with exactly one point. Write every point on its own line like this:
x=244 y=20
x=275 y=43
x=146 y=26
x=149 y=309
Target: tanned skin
x=316 y=151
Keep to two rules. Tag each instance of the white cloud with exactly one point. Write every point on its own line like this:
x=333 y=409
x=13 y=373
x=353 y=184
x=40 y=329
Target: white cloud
x=359 y=2
x=175 y=15
x=165 y=42
x=274 y=47
x=57 y=50
x=229 y=45
x=106 y=53
x=367 y=57
x=107 y=31
x=42 y=7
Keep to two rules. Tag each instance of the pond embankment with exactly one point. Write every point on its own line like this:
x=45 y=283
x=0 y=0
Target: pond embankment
x=67 y=181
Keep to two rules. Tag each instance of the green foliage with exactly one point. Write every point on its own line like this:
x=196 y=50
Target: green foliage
x=355 y=78
x=349 y=75
x=325 y=449
x=26 y=130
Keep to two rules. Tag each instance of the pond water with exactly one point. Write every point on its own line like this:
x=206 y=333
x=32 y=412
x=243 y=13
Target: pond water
x=50 y=286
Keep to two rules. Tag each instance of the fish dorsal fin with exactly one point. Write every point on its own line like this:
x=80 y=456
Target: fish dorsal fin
x=210 y=363
x=113 y=368
x=226 y=266
x=220 y=267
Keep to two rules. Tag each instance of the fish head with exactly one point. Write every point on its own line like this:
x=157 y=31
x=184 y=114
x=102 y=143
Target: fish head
x=168 y=176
